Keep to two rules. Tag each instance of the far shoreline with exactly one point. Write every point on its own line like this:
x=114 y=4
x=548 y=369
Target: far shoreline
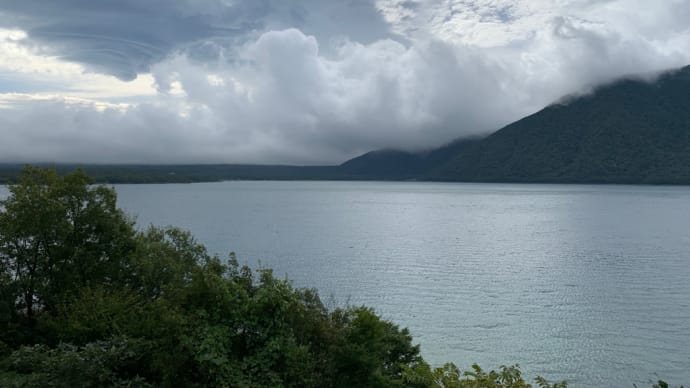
x=136 y=174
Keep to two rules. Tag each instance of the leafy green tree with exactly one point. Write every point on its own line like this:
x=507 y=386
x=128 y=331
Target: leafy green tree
x=450 y=376
x=371 y=351
x=111 y=363
x=58 y=234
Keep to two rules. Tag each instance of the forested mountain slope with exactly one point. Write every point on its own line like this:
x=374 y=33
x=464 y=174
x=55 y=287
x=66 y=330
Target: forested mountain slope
x=630 y=131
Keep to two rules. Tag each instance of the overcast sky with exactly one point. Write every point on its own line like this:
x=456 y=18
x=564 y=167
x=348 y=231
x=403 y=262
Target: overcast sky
x=303 y=81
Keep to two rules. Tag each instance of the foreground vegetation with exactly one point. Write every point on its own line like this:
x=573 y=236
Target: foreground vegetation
x=86 y=300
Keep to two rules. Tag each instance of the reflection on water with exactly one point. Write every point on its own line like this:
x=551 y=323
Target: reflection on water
x=585 y=283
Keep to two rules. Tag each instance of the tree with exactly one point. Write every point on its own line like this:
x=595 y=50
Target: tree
x=59 y=234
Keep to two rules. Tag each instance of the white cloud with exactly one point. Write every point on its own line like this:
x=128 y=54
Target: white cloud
x=284 y=96
x=284 y=102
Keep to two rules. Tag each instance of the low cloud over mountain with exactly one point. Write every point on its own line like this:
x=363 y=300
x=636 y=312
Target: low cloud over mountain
x=307 y=82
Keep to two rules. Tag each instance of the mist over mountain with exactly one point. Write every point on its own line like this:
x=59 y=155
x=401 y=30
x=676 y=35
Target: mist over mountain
x=303 y=82
x=630 y=131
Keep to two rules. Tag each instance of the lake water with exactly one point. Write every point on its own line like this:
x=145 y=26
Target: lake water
x=585 y=283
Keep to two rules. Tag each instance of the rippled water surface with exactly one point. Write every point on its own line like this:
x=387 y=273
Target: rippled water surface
x=585 y=283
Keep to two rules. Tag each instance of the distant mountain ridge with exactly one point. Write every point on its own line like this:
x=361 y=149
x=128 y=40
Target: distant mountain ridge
x=629 y=131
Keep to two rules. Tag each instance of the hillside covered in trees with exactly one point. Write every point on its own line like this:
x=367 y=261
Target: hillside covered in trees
x=631 y=131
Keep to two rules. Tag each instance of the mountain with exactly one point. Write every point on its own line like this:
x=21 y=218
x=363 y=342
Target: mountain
x=630 y=131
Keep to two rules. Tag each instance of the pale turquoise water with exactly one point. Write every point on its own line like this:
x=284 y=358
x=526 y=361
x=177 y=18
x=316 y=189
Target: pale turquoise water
x=585 y=283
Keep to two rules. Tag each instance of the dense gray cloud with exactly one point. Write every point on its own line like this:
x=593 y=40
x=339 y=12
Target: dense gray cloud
x=283 y=102
x=311 y=81
x=125 y=37
x=119 y=37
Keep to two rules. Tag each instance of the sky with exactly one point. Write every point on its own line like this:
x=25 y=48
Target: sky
x=304 y=81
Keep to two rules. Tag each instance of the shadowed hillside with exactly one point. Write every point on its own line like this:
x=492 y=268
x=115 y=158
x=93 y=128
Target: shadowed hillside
x=627 y=132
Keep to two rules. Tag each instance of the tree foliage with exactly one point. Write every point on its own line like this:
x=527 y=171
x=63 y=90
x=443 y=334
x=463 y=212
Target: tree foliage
x=59 y=235
x=631 y=131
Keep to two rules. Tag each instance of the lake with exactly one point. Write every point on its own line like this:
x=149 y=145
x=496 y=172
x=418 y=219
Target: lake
x=585 y=283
